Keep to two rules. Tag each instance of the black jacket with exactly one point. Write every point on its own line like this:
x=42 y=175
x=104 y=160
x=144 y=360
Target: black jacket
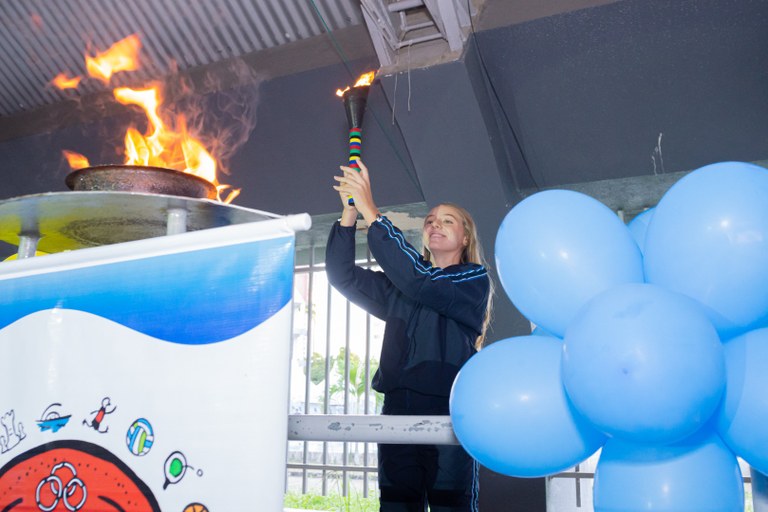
x=433 y=315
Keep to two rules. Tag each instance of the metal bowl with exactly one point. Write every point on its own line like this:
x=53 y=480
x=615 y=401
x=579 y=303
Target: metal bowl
x=140 y=178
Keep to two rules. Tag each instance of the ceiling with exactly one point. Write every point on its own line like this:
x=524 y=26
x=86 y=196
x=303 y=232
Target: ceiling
x=42 y=38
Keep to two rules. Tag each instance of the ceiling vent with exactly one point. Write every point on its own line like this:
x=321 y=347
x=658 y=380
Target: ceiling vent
x=395 y=25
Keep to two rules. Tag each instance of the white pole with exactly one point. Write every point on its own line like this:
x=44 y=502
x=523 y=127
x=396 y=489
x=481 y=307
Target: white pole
x=385 y=429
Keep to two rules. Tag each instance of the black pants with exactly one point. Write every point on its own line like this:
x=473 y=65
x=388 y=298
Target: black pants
x=412 y=476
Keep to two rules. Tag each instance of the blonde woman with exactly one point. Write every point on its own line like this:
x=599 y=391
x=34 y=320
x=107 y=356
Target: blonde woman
x=436 y=308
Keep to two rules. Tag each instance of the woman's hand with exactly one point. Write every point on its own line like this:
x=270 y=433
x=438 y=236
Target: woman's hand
x=357 y=185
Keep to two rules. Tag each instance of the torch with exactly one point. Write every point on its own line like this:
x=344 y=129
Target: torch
x=354 y=105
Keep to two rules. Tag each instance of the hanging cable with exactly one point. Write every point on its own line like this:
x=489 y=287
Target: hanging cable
x=501 y=107
x=339 y=50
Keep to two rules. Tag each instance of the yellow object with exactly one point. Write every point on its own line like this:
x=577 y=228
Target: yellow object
x=196 y=507
x=16 y=256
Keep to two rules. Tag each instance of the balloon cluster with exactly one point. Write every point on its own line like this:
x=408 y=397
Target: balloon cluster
x=650 y=344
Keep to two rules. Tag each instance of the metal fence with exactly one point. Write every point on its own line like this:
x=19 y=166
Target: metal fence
x=335 y=351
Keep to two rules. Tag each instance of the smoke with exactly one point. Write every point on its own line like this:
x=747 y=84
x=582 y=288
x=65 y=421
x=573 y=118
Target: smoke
x=219 y=106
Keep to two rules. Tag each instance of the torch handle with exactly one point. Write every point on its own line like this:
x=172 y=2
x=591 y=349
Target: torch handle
x=355 y=152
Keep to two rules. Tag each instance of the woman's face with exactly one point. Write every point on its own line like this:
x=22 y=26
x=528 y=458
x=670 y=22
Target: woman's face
x=444 y=231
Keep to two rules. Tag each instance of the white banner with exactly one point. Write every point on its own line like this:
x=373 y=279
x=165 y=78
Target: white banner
x=149 y=375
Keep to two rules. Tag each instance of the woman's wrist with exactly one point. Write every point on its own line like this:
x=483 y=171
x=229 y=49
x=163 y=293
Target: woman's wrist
x=348 y=217
x=371 y=216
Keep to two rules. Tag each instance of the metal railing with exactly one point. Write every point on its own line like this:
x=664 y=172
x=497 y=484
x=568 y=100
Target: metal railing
x=334 y=339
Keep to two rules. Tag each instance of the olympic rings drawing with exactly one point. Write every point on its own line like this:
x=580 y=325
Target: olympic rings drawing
x=59 y=491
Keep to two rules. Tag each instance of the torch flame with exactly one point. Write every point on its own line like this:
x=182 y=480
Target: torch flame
x=165 y=144
x=63 y=81
x=121 y=56
x=364 y=80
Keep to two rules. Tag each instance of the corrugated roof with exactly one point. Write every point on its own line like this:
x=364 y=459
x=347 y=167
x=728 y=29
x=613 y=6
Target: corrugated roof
x=42 y=38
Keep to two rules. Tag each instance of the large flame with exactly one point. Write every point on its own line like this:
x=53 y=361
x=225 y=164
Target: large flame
x=364 y=80
x=165 y=143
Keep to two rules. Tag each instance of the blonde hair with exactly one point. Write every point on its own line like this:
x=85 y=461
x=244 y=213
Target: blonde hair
x=472 y=253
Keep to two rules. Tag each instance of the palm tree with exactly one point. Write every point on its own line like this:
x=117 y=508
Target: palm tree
x=357 y=384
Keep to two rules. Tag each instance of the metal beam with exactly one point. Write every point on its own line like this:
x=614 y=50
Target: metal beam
x=384 y=429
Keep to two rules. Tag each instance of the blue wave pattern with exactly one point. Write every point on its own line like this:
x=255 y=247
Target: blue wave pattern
x=192 y=298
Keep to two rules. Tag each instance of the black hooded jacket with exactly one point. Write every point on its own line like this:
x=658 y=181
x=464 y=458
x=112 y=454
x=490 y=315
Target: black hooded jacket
x=433 y=315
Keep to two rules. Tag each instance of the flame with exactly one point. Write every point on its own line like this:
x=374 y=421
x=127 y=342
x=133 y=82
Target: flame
x=121 y=56
x=63 y=81
x=363 y=80
x=76 y=160
x=165 y=143
x=151 y=145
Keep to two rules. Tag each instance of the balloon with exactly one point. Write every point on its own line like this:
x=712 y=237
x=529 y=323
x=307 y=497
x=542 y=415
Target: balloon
x=557 y=249
x=510 y=412
x=743 y=413
x=639 y=226
x=538 y=331
x=709 y=240
x=698 y=474
x=644 y=364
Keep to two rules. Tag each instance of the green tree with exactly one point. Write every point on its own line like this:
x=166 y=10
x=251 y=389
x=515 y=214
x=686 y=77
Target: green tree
x=317 y=368
x=357 y=381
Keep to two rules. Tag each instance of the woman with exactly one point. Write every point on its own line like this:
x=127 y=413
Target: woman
x=436 y=309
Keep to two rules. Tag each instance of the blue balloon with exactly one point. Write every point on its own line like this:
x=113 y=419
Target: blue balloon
x=538 y=331
x=644 y=364
x=510 y=412
x=743 y=413
x=698 y=474
x=557 y=249
x=638 y=227
x=709 y=240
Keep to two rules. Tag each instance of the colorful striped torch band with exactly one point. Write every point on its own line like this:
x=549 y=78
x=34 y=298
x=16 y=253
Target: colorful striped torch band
x=355 y=98
x=355 y=153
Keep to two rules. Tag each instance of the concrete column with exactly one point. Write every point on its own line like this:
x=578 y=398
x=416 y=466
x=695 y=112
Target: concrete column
x=450 y=130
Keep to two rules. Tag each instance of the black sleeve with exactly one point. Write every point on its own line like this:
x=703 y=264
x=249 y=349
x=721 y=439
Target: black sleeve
x=461 y=292
x=364 y=287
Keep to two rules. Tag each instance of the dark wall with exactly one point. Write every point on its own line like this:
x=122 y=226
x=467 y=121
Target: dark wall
x=592 y=90
x=34 y=164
